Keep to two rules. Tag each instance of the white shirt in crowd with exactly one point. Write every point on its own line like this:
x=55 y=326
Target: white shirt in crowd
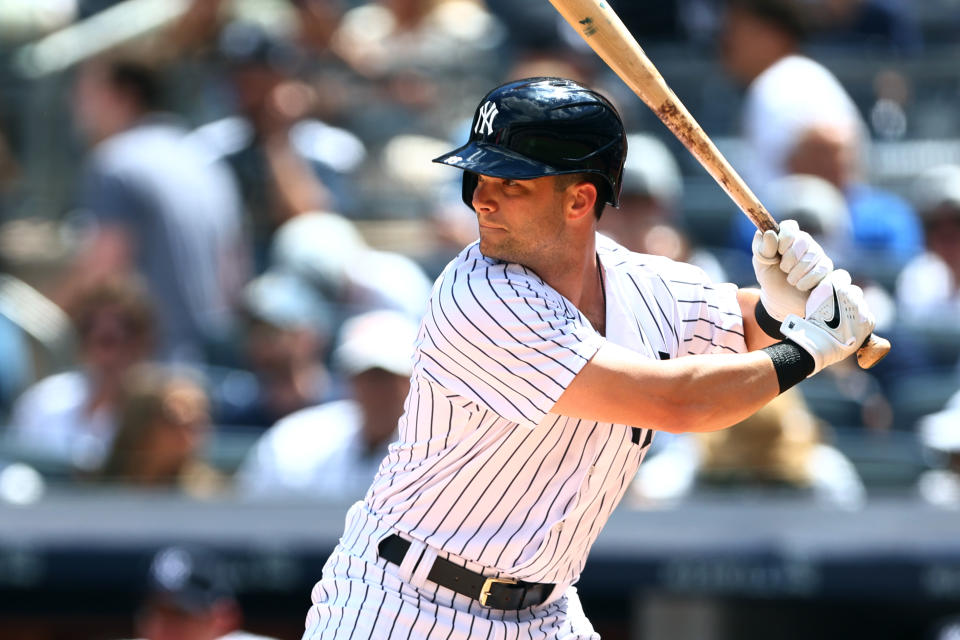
x=926 y=292
x=316 y=452
x=790 y=96
x=50 y=420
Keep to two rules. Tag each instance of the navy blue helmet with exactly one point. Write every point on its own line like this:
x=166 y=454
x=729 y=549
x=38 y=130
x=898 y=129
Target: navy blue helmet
x=539 y=127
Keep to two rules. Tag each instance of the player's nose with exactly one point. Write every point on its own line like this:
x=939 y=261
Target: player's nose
x=483 y=197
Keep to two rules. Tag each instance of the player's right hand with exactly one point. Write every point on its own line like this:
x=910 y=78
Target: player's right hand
x=837 y=321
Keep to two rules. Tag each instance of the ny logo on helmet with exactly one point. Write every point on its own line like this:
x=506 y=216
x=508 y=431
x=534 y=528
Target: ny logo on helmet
x=485 y=118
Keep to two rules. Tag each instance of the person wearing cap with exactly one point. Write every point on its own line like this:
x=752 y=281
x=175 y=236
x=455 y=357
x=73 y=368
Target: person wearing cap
x=172 y=216
x=327 y=251
x=332 y=451
x=287 y=161
x=928 y=288
x=285 y=330
x=189 y=596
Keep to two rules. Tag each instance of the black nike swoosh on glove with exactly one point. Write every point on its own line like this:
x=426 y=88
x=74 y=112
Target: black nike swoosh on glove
x=834 y=322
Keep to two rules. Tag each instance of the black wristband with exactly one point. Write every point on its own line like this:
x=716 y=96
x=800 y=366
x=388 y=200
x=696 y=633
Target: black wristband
x=792 y=363
x=769 y=324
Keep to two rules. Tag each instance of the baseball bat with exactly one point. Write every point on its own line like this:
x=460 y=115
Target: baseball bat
x=606 y=34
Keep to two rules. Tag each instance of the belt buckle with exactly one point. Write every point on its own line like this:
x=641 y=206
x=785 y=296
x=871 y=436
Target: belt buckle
x=488 y=584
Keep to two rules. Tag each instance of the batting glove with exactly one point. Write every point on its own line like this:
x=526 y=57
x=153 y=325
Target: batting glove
x=837 y=321
x=788 y=264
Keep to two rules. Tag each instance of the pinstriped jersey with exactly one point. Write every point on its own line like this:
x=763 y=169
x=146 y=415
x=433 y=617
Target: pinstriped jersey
x=483 y=469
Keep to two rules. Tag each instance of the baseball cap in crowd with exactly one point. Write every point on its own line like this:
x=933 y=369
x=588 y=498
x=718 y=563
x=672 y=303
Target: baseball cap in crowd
x=376 y=340
x=937 y=187
x=319 y=246
x=651 y=170
x=818 y=207
x=191 y=579
x=284 y=300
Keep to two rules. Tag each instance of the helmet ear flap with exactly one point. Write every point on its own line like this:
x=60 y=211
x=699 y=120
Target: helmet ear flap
x=469 y=186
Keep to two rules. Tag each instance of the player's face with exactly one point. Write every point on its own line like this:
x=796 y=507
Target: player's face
x=520 y=220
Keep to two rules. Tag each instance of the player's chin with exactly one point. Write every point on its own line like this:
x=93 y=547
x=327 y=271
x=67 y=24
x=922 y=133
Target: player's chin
x=494 y=247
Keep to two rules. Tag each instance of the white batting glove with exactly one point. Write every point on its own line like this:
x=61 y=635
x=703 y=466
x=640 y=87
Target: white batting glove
x=837 y=321
x=788 y=265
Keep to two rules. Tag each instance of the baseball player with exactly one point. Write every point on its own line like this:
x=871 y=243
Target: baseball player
x=546 y=360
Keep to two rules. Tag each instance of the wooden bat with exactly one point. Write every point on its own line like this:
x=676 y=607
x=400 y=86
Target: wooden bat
x=606 y=34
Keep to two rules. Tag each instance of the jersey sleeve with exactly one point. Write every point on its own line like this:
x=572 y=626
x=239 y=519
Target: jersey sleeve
x=710 y=319
x=495 y=335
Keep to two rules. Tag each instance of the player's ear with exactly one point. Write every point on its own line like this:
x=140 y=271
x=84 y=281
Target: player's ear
x=580 y=200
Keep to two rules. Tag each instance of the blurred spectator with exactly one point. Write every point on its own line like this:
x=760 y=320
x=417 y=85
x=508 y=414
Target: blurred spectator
x=189 y=596
x=404 y=50
x=327 y=250
x=69 y=418
x=778 y=450
x=940 y=437
x=797 y=118
x=163 y=424
x=334 y=450
x=928 y=288
x=787 y=92
x=885 y=227
x=528 y=25
x=286 y=328
x=649 y=219
x=382 y=36
x=287 y=162
x=170 y=214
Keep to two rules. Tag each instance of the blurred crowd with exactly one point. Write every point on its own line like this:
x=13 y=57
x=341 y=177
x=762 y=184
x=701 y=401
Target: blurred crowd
x=220 y=225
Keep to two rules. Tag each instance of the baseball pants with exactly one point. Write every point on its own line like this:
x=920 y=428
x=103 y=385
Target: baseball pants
x=362 y=596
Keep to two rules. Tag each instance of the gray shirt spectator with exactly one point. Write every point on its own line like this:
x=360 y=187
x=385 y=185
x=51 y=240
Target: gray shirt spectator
x=160 y=207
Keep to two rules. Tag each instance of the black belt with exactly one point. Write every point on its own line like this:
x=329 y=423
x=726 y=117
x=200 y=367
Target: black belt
x=496 y=593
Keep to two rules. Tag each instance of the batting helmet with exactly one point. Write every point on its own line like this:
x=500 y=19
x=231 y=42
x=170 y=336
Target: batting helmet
x=540 y=127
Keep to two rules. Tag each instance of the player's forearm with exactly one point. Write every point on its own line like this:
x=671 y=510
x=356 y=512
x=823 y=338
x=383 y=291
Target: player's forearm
x=755 y=337
x=695 y=393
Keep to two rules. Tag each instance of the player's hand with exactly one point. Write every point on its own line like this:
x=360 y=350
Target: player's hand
x=788 y=265
x=837 y=321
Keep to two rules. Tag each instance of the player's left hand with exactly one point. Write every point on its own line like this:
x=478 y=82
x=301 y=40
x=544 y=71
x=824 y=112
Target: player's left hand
x=788 y=264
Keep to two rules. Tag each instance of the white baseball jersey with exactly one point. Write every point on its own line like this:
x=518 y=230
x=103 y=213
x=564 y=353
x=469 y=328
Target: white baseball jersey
x=484 y=473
